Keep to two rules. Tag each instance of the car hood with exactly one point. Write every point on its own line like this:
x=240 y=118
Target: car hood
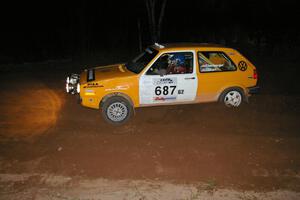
x=107 y=72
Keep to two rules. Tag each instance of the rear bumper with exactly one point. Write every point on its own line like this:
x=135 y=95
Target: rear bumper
x=253 y=90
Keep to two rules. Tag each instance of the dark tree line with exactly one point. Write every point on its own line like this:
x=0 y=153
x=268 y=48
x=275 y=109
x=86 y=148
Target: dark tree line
x=84 y=30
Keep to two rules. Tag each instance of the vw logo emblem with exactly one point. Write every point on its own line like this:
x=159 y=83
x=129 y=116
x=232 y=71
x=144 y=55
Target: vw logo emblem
x=243 y=66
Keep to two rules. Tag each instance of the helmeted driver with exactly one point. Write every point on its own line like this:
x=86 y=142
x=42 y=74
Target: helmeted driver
x=177 y=64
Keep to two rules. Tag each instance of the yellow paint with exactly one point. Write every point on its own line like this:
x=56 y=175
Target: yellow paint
x=116 y=79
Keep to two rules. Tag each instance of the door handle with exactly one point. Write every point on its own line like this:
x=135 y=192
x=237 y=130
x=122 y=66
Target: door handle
x=189 y=78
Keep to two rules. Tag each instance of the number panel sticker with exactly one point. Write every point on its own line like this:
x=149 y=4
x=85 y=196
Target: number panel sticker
x=168 y=89
x=165 y=89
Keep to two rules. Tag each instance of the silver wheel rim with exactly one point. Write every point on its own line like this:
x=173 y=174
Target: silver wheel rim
x=117 y=112
x=233 y=99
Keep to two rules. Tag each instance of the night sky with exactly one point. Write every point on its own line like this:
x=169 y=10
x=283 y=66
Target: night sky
x=55 y=30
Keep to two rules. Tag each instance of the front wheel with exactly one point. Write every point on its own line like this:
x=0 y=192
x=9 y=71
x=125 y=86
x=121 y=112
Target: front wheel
x=117 y=110
x=232 y=97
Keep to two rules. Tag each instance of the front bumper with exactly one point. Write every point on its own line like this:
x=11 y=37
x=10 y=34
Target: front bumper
x=253 y=90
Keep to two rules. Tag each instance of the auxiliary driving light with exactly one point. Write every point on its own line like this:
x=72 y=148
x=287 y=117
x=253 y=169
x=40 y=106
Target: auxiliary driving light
x=72 y=84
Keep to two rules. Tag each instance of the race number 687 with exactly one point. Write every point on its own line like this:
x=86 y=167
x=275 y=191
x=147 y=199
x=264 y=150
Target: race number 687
x=165 y=90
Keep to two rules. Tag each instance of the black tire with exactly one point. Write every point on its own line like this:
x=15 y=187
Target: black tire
x=232 y=97
x=115 y=105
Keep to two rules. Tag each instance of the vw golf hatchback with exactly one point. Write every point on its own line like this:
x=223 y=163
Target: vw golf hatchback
x=166 y=74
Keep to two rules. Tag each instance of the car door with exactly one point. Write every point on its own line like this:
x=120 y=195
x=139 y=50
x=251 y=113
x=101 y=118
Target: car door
x=170 y=79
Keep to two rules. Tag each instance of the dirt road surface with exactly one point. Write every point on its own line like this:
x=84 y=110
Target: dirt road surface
x=52 y=148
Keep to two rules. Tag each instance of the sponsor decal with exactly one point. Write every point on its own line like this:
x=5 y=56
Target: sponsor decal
x=119 y=87
x=92 y=85
x=242 y=66
x=164 y=98
x=164 y=81
x=89 y=91
x=210 y=68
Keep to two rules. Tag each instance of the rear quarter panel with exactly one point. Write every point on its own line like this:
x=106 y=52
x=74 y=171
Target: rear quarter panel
x=245 y=77
x=212 y=84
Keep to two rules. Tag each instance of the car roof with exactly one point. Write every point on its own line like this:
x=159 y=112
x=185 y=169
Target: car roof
x=186 y=45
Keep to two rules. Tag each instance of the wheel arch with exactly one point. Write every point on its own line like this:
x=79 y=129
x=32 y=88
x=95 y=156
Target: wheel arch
x=119 y=94
x=237 y=87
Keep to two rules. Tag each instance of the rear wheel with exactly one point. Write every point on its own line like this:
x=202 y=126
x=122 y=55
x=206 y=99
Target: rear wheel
x=232 y=97
x=116 y=110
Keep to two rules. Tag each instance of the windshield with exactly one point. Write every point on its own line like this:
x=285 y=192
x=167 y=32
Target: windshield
x=139 y=63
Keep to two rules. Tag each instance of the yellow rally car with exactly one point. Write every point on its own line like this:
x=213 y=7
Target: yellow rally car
x=166 y=74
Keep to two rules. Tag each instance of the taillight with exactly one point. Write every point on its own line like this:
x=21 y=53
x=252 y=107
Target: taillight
x=255 y=75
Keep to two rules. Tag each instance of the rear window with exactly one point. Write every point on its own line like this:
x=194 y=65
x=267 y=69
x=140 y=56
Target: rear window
x=215 y=62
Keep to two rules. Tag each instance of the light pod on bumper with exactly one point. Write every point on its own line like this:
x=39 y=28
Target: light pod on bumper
x=72 y=84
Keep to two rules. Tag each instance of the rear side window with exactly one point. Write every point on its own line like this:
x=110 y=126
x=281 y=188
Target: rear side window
x=215 y=62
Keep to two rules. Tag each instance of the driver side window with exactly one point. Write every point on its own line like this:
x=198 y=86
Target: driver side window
x=172 y=63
